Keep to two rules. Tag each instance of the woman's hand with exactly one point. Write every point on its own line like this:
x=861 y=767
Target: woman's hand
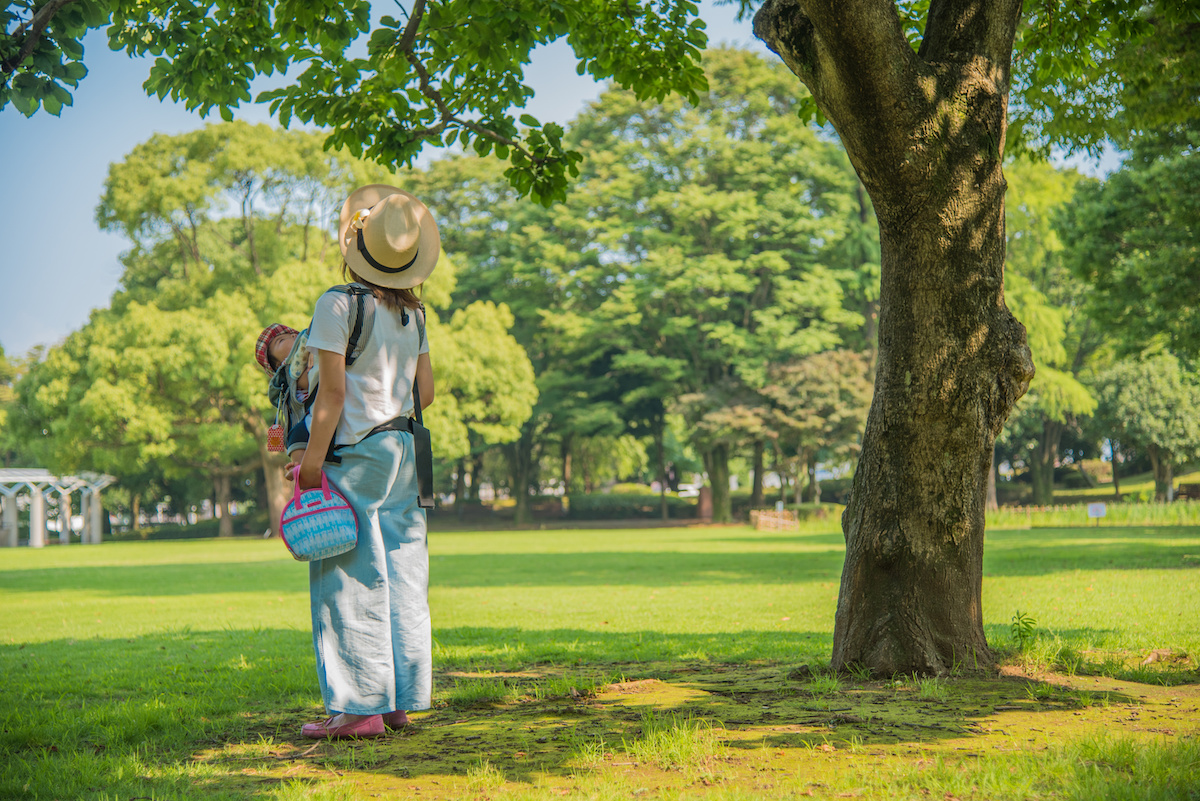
x=310 y=465
x=310 y=476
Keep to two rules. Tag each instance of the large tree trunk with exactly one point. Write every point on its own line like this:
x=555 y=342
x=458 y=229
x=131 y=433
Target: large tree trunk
x=716 y=462
x=1042 y=462
x=870 y=328
x=992 y=503
x=925 y=133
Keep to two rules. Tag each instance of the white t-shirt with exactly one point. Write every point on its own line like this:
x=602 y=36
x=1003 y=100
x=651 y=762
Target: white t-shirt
x=379 y=383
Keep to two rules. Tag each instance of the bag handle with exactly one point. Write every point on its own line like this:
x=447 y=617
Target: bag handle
x=296 y=482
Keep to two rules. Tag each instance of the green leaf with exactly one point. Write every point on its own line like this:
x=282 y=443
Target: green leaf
x=529 y=120
x=24 y=103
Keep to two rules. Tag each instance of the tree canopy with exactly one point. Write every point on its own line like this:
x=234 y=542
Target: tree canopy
x=1132 y=240
x=452 y=71
x=231 y=229
x=1151 y=401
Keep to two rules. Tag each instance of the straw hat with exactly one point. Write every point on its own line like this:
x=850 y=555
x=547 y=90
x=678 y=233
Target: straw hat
x=388 y=237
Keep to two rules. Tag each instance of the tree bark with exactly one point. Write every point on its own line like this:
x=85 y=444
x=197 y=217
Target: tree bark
x=1115 y=447
x=870 y=307
x=993 y=502
x=460 y=489
x=521 y=465
x=756 y=486
x=1164 y=473
x=716 y=462
x=476 y=476
x=925 y=133
x=660 y=453
x=565 y=451
x=1045 y=457
x=222 y=491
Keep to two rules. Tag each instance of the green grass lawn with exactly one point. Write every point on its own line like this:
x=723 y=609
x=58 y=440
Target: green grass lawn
x=1133 y=488
x=184 y=669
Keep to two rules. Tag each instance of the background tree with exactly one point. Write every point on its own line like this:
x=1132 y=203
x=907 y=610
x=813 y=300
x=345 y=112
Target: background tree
x=1050 y=301
x=1151 y=402
x=489 y=377
x=10 y=447
x=719 y=224
x=818 y=408
x=1132 y=240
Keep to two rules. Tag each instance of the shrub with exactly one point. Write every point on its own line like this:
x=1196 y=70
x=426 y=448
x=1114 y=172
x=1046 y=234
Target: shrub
x=583 y=506
x=632 y=489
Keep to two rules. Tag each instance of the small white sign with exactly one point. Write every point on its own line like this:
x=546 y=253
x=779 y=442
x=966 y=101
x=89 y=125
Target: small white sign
x=778 y=506
x=1097 y=510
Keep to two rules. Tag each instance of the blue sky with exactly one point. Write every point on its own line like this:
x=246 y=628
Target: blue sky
x=56 y=265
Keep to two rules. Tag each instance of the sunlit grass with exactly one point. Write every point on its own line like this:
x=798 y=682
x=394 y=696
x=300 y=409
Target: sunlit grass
x=124 y=661
x=673 y=742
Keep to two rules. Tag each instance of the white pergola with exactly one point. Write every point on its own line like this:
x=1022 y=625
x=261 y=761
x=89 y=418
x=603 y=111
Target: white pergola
x=42 y=486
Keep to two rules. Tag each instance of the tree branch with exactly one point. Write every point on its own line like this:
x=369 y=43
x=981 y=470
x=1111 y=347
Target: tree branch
x=36 y=26
x=447 y=116
x=964 y=28
x=410 y=30
x=854 y=58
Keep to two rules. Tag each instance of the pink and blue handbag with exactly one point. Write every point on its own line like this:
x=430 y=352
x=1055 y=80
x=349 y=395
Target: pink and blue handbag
x=318 y=523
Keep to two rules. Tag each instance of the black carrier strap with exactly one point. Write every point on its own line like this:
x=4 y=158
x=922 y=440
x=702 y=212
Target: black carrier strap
x=362 y=318
x=423 y=448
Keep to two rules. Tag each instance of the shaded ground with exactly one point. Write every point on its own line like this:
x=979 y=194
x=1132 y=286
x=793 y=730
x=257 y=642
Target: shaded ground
x=748 y=730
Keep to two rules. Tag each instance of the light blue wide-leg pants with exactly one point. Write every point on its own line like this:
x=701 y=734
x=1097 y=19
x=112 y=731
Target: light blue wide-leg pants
x=370 y=605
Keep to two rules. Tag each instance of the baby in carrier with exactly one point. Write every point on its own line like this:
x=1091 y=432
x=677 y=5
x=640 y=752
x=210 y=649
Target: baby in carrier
x=283 y=353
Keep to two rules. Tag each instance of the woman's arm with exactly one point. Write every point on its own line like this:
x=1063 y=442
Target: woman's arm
x=425 y=379
x=326 y=411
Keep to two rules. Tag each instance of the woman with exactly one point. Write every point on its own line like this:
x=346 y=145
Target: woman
x=370 y=608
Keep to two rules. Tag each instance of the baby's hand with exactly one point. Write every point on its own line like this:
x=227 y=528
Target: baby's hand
x=289 y=470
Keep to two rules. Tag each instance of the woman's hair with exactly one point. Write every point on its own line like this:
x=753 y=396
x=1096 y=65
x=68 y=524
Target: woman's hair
x=393 y=299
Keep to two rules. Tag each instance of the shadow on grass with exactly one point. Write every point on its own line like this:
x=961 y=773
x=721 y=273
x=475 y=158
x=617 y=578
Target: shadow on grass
x=167 y=714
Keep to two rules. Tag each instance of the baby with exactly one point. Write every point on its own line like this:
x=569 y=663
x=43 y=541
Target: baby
x=276 y=344
x=281 y=351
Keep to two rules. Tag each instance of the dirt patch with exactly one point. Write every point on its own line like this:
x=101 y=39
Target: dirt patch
x=745 y=727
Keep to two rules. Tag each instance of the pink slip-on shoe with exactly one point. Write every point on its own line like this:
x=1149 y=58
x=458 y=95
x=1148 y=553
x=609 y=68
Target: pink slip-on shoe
x=371 y=726
x=396 y=720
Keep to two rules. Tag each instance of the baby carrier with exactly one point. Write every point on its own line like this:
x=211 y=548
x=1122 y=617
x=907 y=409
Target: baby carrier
x=293 y=405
